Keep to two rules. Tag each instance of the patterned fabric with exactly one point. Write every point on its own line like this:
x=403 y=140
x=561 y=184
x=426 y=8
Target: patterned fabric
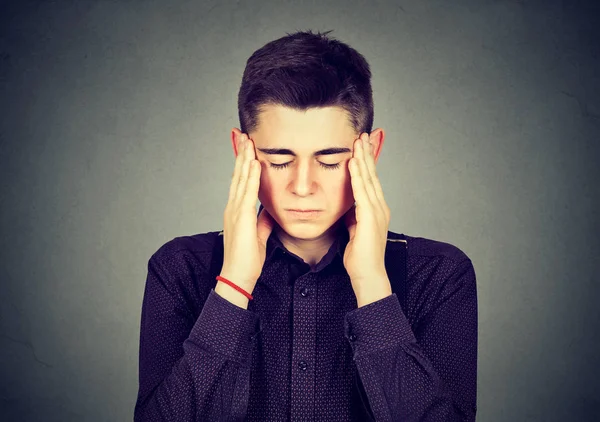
x=303 y=351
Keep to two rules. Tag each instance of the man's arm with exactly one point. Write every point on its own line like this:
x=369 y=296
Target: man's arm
x=429 y=375
x=190 y=369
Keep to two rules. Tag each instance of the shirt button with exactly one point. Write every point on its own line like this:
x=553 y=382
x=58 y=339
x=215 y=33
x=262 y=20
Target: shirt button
x=302 y=365
x=352 y=337
x=304 y=292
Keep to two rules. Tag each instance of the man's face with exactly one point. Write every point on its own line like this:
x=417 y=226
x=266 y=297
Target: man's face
x=305 y=182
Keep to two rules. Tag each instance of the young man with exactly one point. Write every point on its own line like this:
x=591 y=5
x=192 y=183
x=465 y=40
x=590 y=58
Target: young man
x=316 y=316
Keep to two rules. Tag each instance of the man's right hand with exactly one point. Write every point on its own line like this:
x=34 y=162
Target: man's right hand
x=244 y=234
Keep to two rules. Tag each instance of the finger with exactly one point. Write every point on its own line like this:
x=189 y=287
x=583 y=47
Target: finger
x=364 y=172
x=244 y=175
x=253 y=183
x=370 y=164
x=358 y=184
x=233 y=188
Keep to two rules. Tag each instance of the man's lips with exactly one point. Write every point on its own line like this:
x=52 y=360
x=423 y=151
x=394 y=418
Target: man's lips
x=291 y=209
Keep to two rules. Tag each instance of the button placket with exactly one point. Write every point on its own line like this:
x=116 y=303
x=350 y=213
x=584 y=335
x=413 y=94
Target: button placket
x=303 y=344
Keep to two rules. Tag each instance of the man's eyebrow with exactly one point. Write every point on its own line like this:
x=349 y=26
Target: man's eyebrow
x=285 y=151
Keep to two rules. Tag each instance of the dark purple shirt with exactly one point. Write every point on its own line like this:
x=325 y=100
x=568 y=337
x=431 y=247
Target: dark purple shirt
x=303 y=351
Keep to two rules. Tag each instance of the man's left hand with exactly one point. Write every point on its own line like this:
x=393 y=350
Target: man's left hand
x=367 y=223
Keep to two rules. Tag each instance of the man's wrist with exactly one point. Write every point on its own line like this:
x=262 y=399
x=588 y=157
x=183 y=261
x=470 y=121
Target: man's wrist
x=374 y=297
x=232 y=295
x=371 y=289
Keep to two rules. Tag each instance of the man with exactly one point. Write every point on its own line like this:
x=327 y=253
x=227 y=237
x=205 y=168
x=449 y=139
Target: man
x=319 y=316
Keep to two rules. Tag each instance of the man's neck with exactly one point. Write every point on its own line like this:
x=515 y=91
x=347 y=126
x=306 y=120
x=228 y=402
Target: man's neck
x=311 y=251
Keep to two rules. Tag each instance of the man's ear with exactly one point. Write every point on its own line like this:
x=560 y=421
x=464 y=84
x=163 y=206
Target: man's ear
x=376 y=139
x=236 y=137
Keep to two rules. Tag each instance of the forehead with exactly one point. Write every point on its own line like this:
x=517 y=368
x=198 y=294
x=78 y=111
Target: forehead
x=279 y=124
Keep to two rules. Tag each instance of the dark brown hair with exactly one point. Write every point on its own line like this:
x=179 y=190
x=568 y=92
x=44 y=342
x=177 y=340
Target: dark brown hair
x=305 y=70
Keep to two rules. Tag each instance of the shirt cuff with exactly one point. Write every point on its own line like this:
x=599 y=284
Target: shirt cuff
x=378 y=325
x=226 y=329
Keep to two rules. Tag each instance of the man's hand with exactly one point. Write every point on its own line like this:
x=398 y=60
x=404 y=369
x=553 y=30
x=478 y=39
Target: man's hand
x=244 y=234
x=367 y=223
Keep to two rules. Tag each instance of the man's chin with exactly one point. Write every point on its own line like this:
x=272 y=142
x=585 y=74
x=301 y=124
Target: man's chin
x=304 y=229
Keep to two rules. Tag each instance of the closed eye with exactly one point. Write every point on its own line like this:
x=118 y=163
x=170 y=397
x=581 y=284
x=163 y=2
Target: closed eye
x=325 y=166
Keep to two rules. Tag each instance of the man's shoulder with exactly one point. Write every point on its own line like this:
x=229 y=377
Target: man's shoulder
x=432 y=263
x=435 y=271
x=181 y=249
x=199 y=242
x=183 y=264
x=434 y=249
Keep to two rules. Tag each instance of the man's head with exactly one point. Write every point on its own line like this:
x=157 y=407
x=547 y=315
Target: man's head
x=305 y=93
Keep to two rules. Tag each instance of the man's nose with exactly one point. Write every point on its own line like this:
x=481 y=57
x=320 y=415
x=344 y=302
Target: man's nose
x=304 y=179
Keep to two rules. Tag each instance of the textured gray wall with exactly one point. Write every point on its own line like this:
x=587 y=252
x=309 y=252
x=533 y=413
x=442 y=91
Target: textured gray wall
x=115 y=121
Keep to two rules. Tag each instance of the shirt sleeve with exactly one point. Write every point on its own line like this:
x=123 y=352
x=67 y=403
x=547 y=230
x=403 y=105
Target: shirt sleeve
x=429 y=375
x=191 y=369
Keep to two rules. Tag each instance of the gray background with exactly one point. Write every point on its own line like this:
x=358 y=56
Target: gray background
x=115 y=122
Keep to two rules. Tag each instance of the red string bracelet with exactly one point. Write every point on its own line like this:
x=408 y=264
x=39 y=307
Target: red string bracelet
x=239 y=289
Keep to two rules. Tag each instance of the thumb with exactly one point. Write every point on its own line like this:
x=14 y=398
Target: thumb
x=350 y=216
x=350 y=220
x=264 y=225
